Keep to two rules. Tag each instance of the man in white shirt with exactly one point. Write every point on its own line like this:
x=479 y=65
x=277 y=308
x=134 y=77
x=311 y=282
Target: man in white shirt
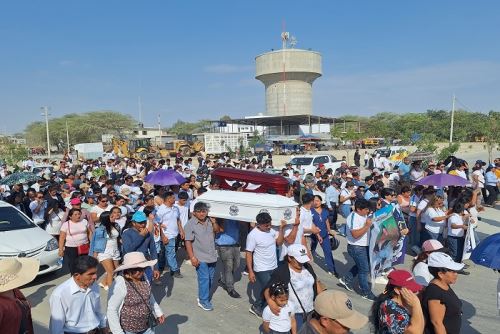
x=38 y=207
x=169 y=217
x=261 y=256
x=358 y=241
x=75 y=305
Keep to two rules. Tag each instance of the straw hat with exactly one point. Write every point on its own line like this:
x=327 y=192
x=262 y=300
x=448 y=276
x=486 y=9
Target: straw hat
x=135 y=260
x=16 y=272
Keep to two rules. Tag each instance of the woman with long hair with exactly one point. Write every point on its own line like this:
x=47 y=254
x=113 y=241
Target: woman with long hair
x=397 y=310
x=457 y=227
x=104 y=246
x=436 y=219
x=320 y=220
x=74 y=237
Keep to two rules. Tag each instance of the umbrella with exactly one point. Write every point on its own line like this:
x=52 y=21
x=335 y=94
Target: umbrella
x=164 y=177
x=487 y=252
x=444 y=180
x=18 y=178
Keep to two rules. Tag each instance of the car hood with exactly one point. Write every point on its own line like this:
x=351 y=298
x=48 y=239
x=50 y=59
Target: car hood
x=23 y=240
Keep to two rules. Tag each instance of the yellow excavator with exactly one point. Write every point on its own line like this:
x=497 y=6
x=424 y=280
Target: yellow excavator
x=137 y=148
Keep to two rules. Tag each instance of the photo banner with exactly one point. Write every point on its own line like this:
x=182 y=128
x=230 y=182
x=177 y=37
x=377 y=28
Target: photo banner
x=386 y=241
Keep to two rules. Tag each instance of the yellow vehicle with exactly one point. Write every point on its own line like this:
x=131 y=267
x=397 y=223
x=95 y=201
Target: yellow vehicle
x=185 y=147
x=136 y=148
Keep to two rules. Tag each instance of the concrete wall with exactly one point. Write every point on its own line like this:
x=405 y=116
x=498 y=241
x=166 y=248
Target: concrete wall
x=289 y=93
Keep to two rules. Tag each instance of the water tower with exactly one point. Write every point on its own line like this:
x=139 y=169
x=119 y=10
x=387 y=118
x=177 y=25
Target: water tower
x=288 y=75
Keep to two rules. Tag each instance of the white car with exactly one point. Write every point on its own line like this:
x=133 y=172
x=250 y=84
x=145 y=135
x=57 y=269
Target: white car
x=20 y=237
x=309 y=163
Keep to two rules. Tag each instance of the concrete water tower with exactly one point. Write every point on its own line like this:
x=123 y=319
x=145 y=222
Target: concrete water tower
x=288 y=75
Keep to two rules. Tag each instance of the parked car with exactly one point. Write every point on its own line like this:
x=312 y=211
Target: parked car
x=20 y=237
x=309 y=163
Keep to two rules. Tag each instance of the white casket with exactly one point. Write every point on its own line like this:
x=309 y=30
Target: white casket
x=245 y=206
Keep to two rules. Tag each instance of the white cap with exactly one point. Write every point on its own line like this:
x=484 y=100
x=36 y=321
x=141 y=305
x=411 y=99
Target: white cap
x=298 y=252
x=443 y=260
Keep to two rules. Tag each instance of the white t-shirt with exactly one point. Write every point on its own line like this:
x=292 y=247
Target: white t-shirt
x=354 y=222
x=183 y=213
x=457 y=220
x=303 y=284
x=263 y=246
x=480 y=178
x=298 y=238
x=40 y=216
x=306 y=219
x=422 y=274
x=168 y=218
x=346 y=193
x=432 y=226
x=98 y=210
x=279 y=323
x=421 y=207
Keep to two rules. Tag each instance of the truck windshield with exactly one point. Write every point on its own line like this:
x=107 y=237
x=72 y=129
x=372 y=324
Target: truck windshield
x=301 y=161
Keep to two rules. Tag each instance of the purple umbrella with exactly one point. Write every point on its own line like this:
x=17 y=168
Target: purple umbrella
x=165 y=177
x=444 y=180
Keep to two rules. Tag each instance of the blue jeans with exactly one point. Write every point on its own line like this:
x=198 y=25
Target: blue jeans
x=361 y=268
x=428 y=235
x=262 y=278
x=170 y=255
x=456 y=247
x=345 y=210
x=205 y=273
x=327 y=251
x=146 y=331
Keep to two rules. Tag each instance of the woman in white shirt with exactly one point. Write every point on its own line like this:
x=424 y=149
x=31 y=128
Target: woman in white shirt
x=436 y=219
x=457 y=226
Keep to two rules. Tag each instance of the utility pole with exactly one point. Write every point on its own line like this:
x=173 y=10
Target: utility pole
x=67 y=136
x=46 y=114
x=159 y=131
x=452 y=118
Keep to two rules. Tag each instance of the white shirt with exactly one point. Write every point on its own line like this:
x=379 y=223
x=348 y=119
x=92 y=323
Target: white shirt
x=456 y=219
x=433 y=226
x=168 y=217
x=422 y=274
x=480 y=178
x=303 y=283
x=344 y=192
x=263 y=246
x=306 y=219
x=298 y=239
x=183 y=213
x=73 y=309
x=421 y=207
x=414 y=200
x=354 y=222
x=40 y=216
x=279 y=323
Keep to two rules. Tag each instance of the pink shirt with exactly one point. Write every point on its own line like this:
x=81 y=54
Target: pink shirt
x=76 y=233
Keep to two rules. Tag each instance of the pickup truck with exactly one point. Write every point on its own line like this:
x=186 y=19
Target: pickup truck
x=309 y=163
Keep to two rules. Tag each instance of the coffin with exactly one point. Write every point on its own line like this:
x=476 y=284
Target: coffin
x=245 y=206
x=256 y=182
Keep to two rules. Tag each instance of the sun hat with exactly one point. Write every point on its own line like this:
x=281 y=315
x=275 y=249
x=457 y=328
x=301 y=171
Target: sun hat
x=75 y=201
x=337 y=306
x=139 y=217
x=135 y=260
x=16 y=272
x=298 y=252
x=403 y=279
x=431 y=245
x=443 y=260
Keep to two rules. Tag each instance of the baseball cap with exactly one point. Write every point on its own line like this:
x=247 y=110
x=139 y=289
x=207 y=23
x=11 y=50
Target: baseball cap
x=337 y=306
x=139 y=217
x=403 y=279
x=443 y=260
x=431 y=245
x=75 y=201
x=298 y=252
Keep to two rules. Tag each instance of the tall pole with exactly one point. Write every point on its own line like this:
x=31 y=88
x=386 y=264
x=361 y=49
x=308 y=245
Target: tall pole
x=140 y=109
x=452 y=118
x=159 y=131
x=46 y=114
x=67 y=136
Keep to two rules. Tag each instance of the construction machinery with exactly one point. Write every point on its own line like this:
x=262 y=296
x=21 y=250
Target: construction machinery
x=136 y=148
x=185 y=146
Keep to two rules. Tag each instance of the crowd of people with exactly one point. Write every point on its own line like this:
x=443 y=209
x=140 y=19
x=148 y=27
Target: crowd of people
x=103 y=213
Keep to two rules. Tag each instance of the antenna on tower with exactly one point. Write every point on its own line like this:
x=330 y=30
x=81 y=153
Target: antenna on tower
x=139 y=102
x=285 y=36
x=293 y=42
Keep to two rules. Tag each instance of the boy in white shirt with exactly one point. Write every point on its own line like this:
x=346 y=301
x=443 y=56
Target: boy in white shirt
x=358 y=241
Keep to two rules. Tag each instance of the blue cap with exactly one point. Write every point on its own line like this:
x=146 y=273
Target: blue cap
x=139 y=217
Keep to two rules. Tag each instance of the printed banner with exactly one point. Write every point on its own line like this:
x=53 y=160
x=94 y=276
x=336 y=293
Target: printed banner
x=471 y=242
x=386 y=241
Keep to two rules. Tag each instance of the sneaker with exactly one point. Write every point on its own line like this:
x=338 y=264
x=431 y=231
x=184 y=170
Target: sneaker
x=333 y=273
x=370 y=296
x=255 y=311
x=233 y=294
x=381 y=280
x=244 y=273
x=177 y=274
x=345 y=285
x=205 y=306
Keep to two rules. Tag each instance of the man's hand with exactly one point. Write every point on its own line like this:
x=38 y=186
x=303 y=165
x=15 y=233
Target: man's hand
x=315 y=229
x=251 y=277
x=182 y=234
x=320 y=239
x=156 y=274
x=143 y=231
x=195 y=262
x=368 y=222
x=283 y=223
x=61 y=253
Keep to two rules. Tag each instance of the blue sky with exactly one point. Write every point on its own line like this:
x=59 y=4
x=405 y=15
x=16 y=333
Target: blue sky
x=195 y=59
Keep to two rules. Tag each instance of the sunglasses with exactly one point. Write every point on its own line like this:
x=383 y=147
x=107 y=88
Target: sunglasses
x=103 y=201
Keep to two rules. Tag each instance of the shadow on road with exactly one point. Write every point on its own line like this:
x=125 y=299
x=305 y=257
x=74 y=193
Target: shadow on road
x=468 y=311
x=171 y=324
x=39 y=295
x=39 y=328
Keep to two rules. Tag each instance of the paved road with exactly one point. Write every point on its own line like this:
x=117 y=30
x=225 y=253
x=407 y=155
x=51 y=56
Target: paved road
x=178 y=298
